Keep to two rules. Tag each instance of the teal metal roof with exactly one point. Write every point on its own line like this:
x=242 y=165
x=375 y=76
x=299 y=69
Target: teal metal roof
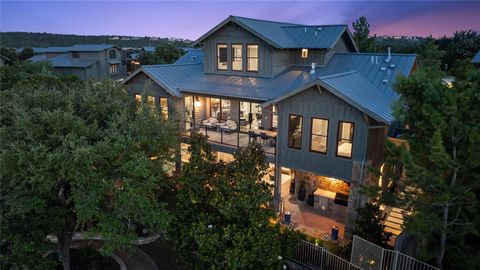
x=287 y=35
x=193 y=56
x=476 y=58
x=90 y=47
x=363 y=80
x=65 y=60
x=50 y=49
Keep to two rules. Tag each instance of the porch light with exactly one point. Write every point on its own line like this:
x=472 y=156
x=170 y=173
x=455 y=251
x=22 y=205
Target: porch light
x=304 y=53
x=197 y=102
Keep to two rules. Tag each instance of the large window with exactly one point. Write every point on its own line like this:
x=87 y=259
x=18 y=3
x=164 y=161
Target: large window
x=113 y=68
x=164 y=107
x=319 y=136
x=345 y=139
x=237 y=61
x=75 y=55
x=226 y=112
x=250 y=115
x=112 y=54
x=220 y=108
x=215 y=107
x=222 y=59
x=252 y=57
x=295 y=131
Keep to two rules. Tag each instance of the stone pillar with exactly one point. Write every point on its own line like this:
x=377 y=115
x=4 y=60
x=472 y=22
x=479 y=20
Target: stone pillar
x=355 y=198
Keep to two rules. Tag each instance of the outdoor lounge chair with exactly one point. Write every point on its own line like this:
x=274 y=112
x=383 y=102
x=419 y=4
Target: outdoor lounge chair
x=210 y=122
x=229 y=125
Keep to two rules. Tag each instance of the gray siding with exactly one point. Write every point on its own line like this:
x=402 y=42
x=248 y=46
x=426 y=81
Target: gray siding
x=343 y=44
x=233 y=34
x=311 y=103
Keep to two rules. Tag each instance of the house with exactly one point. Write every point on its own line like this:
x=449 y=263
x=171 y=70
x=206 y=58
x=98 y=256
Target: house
x=131 y=57
x=86 y=61
x=320 y=109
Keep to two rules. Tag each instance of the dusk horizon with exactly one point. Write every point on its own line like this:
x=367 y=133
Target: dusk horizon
x=180 y=19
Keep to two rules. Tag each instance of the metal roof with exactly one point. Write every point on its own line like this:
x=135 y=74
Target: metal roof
x=65 y=60
x=193 y=56
x=287 y=35
x=148 y=49
x=476 y=58
x=363 y=80
x=38 y=58
x=50 y=49
x=91 y=47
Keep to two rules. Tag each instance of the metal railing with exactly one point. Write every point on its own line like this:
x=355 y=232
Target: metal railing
x=317 y=257
x=373 y=257
x=235 y=138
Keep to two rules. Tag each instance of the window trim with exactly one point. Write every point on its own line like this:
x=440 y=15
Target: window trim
x=311 y=135
x=247 y=57
x=233 y=57
x=338 y=139
x=217 y=56
x=288 y=132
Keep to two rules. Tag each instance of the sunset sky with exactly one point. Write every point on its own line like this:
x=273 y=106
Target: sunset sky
x=190 y=19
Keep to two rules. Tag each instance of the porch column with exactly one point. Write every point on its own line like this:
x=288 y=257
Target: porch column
x=360 y=176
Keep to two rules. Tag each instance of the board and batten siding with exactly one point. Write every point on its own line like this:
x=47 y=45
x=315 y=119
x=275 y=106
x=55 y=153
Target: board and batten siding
x=234 y=34
x=312 y=103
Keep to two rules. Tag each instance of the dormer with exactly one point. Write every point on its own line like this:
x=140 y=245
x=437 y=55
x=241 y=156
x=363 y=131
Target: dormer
x=243 y=46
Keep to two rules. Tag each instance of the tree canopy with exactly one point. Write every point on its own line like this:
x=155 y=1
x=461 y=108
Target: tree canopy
x=361 y=34
x=78 y=157
x=164 y=54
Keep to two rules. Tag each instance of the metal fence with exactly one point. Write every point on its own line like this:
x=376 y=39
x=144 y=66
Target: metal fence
x=317 y=257
x=369 y=256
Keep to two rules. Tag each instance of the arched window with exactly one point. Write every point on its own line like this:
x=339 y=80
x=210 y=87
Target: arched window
x=112 y=54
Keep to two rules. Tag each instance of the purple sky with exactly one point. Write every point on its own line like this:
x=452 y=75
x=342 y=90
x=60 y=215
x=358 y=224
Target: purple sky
x=191 y=19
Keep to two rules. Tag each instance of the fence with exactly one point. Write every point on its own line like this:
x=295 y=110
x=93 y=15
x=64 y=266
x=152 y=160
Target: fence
x=314 y=256
x=372 y=257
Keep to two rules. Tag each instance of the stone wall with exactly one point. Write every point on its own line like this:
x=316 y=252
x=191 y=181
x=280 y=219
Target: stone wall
x=313 y=182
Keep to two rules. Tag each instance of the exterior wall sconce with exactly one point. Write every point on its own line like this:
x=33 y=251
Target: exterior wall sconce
x=304 y=53
x=197 y=102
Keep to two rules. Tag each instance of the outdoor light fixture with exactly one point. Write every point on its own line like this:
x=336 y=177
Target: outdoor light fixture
x=304 y=53
x=197 y=102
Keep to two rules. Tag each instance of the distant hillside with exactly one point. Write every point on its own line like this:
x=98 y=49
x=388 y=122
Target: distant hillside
x=27 y=39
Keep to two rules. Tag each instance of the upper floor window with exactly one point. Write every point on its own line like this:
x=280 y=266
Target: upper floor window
x=113 y=68
x=345 y=139
x=319 y=135
x=112 y=54
x=237 y=61
x=75 y=55
x=222 y=59
x=304 y=53
x=295 y=131
x=252 y=57
x=164 y=107
x=220 y=108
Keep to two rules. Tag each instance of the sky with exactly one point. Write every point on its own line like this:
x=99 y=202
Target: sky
x=191 y=19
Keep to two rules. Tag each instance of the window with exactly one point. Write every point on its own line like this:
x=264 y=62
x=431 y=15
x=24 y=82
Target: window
x=252 y=57
x=220 y=108
x=138 y=97
x=112 y=54
x=319 y=136
x=295 y=131
x=113 y=68
x=345 y=139
x=164 y=107
x=237 y=61
x=151 y=101
x=304 y=53
x=75 y=55
x=222 y=59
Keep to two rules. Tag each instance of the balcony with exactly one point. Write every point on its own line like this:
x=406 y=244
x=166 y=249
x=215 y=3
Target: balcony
x=218 y=134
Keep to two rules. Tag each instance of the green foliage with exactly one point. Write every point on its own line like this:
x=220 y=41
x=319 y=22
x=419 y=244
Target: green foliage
x=368 y=225
x=462 y=45
x=8 y=53
x=76 y=157
x=442 y=163
x=18 y=71
x=361 y=34
x=224 y=221
x=429 y=55
x=26 y=53
x=165 y=54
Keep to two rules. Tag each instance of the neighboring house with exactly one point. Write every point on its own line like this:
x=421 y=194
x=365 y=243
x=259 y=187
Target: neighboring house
x=87 y=61
x=320 y=109
x=130 y=56
x=148 y=49
x=476 y=59
x=4 y=60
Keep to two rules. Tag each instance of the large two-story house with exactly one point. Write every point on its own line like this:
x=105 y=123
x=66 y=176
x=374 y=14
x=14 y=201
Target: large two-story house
x=86 y=61
x=319 y=107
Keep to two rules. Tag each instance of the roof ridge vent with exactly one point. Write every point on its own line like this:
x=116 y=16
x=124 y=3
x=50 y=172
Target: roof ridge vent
x=389 y=56
x=305 y=29
x=313 y=67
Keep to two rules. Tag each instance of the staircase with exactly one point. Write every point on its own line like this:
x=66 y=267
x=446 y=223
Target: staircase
x=394 y=221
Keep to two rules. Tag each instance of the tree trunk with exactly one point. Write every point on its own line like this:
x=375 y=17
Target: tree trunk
x=64 y=242
x=443 y=237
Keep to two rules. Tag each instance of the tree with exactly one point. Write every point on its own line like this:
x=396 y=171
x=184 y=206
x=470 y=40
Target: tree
x=164 y=54
x=361 y=34
x=429 y=55
x=78 y=157
x=441 y=165
x=19 y=71
x=26 y=53
x=224 y=221
x=10 y=54
x=369 y=226
x=462 y=45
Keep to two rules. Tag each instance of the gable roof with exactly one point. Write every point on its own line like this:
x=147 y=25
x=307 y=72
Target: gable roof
x=476 y=58
x=65 y=60
x=91 y=47
x=193 y=56
x=287 y=35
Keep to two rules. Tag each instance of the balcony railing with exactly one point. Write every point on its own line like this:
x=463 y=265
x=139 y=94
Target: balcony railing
x=236 y=138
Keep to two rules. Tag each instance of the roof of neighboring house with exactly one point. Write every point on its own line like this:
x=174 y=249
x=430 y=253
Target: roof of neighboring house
x=287 y=35
x=476 y=58
x=38 y=58
x=148 y=49
x=365 y=81
x=193 y=56
x=91 y=47
x=65 y=60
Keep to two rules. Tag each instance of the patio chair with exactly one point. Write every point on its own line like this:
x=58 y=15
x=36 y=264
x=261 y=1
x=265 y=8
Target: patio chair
x=229 y=126
x=264 y=137
x=210 y=122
